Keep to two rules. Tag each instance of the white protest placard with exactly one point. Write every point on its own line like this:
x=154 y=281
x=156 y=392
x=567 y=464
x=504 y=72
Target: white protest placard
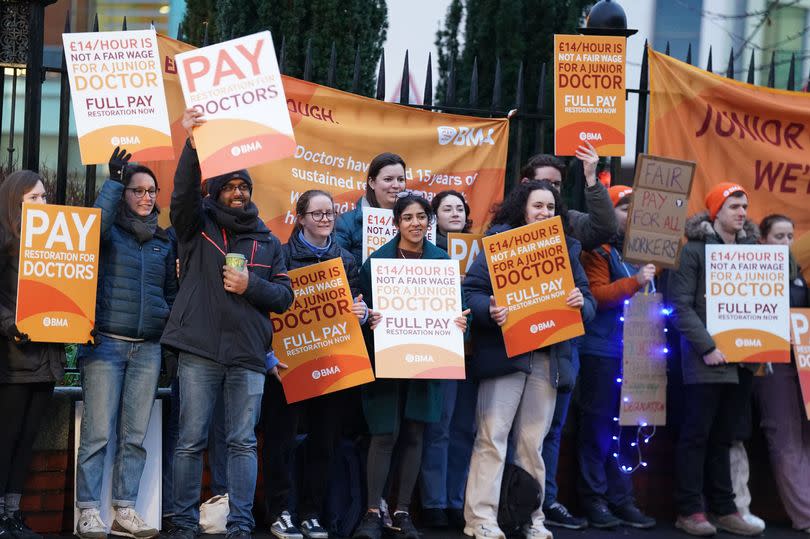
x=379 y=229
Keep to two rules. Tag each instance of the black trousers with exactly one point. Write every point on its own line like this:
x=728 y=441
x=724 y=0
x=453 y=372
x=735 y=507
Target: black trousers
x=712 y=413
x=22 y=407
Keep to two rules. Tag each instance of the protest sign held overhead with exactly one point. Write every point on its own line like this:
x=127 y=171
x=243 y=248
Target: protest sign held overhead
x=800 y=331
x=237 y=86
x=116 y=86
x=531 y=275
x=56 y=290
x=319 y=338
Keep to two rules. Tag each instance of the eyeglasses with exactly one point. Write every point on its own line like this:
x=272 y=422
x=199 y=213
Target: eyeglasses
x=411 y=192
x=230 y=188
x=140 y=192
x=556 y=183
x=318 y=215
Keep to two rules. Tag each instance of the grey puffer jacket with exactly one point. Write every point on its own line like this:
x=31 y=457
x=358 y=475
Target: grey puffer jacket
x=687 y=293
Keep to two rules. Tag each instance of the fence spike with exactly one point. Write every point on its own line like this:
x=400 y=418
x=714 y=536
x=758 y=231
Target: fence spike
x=282 y=55
x=124 y=26
x=356 y=76
x=179 y=31
x=643 y=85
x=751 y=69
x=95 y=23
x=330 y=77
x=405 y=83
x=381 y=78
x=474 y=84
x=709 y=64
x=308 y=61
x=730 y=68
x=64 y=123
x=807 y=84
x=428 y=94
x=67 y=30
x=772 y=71
x=791 y=82
x=689 y=54
x=667 y=49
x=519 y=89
x=496 y=86
x=541 y=90
x=205 y=33
x=450 y=97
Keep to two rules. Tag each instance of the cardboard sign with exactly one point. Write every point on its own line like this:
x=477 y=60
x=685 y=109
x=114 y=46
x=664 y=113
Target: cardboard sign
x=656 y=218
x=237 y=86
x=318 y=337
x=116 y=87
x=464 y=248
x=379 y=229
x=589 y=93
x=417 y=336
x=748 y=302
x=531 y=274
x=56 y=290
x=644 y=362
x=800 y=330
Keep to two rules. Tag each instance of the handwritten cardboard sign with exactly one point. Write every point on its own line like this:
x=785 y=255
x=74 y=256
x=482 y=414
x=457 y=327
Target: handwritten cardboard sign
x=656 y=218
x=800 y=329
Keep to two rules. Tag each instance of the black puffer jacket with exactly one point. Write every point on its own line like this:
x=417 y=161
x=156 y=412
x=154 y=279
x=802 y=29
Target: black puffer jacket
x=297 y=255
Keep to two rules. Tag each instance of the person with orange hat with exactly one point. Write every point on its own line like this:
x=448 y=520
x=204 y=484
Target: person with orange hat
x=715 y=392
x=606 y=492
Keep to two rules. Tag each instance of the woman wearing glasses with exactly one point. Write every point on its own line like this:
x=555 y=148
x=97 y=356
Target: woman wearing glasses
x=137 y=284
x=311 y=242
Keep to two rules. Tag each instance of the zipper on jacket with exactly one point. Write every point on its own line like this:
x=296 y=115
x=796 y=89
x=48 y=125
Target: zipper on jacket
x=140 y=317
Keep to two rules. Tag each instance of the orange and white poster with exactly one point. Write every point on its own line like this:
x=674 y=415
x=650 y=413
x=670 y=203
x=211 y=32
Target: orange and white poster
x=56 y=290
x=319 y=338
x=237 y=86
x=589 y=93
x=800 y=329
x=417 y=336
x=379 y=229
x=464 y=248
x=748 y=302
x=116 y=87
x=531 y=275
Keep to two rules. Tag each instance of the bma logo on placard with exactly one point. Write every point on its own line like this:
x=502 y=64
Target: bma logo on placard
x=240 y=149
x=464 y=136
x=590 y=136
x=327 y=371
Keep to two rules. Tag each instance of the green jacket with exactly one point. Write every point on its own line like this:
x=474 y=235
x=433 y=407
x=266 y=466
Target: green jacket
x=382 y=399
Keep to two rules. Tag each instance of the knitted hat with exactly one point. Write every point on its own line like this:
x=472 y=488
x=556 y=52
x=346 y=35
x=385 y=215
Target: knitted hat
x=214 y=185
x=618 y=192
x=718 y=195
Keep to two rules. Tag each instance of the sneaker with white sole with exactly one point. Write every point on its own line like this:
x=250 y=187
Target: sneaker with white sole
x=90 y=525
x=536 y=531
x=753 y=520
x=128 y=523
x=484 y=531
x=312 y=529
x=283 y=527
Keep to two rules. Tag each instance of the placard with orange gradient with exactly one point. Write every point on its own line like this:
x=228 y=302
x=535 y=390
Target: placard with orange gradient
x=58 y=275
x=748 y=302
x=531 y=275
x=417 y=336
x=589 y=93
x=319 y=338
x=464 y=248
x=237 y=86
x=800 y=332
x=117 y=93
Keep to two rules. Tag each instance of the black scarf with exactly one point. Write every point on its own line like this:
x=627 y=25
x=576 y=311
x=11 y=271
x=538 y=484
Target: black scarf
x=236 y=220
x=143 y=228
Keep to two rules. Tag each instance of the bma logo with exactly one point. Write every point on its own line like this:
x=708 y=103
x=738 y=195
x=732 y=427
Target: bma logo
x=124 y=141
x=464 y=136
x=327 y=371
x=50 y=321
x=542 y=326
x=590 y=136
x=748 y=343
x=254 y=146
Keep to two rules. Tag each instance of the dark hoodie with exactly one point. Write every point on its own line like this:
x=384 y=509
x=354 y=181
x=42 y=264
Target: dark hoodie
x=687 y=293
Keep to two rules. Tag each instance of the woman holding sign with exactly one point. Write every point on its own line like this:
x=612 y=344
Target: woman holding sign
x=28 y=370
x=780 y=399
x=311 y=242
x=386 y=180
x=517 y=392
x=136 y=288
x=396 y=410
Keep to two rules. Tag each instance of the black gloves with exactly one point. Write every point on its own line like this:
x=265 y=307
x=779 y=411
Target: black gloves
x=118 y=162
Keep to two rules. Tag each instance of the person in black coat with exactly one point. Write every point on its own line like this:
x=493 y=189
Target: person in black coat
x=28 y=370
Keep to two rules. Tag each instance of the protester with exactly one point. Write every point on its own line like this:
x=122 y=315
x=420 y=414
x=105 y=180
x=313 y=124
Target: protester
x=220 y=326
x=591 y=229
x=714 y=391
x=779 y=396
x=606 y=491
x=515 y=394
x=312 y=241
x=448 y=442
x=386 y=179
x=137 y=285
x=28 y=370
x=397 y=410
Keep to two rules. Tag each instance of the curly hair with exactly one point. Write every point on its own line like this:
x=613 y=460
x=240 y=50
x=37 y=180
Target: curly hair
x=512 y=210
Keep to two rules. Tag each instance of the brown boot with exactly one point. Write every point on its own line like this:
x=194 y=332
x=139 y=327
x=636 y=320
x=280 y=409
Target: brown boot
x=695 y=524
x=735 y=523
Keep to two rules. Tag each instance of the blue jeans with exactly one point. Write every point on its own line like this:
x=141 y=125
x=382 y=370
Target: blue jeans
x=218 y=450
x=171 y=430
x=119 y=384
x=448 y=446
x=201 y=383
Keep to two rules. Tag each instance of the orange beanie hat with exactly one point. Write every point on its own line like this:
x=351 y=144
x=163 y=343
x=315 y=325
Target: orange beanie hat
x=618 y=192
x=718 y=195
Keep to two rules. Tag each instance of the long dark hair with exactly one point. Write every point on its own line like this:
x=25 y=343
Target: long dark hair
x=12 y=191
x=137 y=168
x=512 y=210
x=374 y=168
x=404 y=201
x=437 y=201
x=302 y=206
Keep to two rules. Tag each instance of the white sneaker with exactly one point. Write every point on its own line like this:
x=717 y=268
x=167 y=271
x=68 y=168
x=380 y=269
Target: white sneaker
x=128 y=523
x=484 y=531
x=754 y=520
x=536 y=531
x=90 y=525
x=385 y=514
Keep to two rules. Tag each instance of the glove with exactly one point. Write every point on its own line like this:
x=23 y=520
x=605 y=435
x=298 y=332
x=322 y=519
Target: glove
x=14 y=334
x=118 y=162
x=92 y=341
x=169 y=361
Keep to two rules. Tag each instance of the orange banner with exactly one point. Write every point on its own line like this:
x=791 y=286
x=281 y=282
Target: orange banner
x=319 y=338
x=531 y=275
x=800 y=332
x=56 y=294
x=589 y=87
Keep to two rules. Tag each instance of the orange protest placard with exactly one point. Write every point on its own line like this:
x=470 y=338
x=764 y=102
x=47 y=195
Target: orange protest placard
x=56 y=290
x=464 y=248
x=800 y=332
x=531 y=275
x=589 y=88
x=318 y=337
